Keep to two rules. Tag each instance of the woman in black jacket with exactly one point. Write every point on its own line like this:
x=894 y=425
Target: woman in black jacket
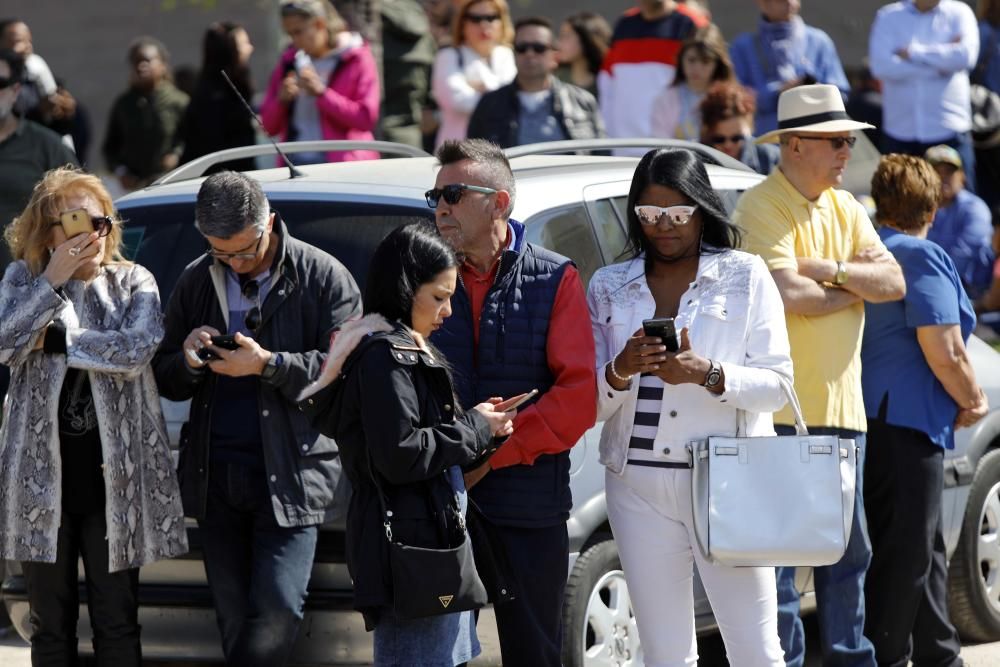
x=393 y=411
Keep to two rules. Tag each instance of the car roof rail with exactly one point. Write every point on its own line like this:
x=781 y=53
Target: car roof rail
x=707 y=153
x=197 y=167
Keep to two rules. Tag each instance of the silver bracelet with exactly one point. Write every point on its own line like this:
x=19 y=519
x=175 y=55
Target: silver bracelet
x=614 y=372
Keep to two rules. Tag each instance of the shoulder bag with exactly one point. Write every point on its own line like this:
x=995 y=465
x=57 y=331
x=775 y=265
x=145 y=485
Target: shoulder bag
x=773 y=500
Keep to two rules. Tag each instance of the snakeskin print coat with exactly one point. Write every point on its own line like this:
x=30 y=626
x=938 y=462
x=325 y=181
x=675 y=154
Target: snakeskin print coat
x=113 y=326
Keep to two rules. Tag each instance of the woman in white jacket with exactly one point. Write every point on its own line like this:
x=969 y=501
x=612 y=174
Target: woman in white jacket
x=732 y=353
x=478 y=61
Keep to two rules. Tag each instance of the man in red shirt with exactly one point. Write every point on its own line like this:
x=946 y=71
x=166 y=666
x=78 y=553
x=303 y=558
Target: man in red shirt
x=519 y=322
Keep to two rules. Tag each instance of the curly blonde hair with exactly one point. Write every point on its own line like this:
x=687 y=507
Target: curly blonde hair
x=29 y=234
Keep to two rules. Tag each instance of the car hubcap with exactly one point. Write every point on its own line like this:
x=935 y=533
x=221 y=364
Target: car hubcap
x=610 y=637
x=988 y=547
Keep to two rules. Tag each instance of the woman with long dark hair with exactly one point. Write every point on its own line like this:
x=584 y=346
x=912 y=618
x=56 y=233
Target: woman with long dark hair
x=584 y=38
x=731 y=355
x=216 y=119
x=403 y=435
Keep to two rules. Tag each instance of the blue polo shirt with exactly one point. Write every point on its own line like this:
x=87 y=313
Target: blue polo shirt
x=892 y=364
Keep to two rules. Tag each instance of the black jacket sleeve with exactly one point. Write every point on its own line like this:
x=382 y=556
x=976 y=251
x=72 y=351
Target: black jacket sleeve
x=401 y=450
x=175 y=379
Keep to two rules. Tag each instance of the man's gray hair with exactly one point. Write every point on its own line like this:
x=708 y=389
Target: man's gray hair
x=229 y=202
x=492 y=165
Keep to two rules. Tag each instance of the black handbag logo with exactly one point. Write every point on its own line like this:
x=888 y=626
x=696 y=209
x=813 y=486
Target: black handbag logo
x=445 y=600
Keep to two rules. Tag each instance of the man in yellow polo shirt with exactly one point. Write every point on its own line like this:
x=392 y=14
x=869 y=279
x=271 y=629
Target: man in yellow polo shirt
x=827 y=260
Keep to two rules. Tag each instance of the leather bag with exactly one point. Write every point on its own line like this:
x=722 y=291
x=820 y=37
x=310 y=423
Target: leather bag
x=773 y=500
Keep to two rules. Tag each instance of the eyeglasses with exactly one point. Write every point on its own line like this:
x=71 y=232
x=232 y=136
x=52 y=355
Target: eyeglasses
x=453 y=193
x=836 y=142
x=7 y=82
x=241 y=256
x=251 y=292
x=677 y=216
x=102 y=224
x=721 y=139
x=537 y=47
x=482 y=18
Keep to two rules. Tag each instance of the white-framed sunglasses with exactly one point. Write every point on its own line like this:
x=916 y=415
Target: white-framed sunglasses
x=650 y=215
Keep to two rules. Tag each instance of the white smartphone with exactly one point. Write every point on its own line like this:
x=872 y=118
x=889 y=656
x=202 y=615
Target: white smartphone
x=302 y=60
x=515 y=401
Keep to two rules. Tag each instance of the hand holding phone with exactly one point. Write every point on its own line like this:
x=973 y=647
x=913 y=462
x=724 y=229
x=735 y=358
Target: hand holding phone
x=515 y=402
x=664 y=329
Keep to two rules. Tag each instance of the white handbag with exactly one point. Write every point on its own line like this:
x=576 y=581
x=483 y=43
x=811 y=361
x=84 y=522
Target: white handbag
x=773 y=500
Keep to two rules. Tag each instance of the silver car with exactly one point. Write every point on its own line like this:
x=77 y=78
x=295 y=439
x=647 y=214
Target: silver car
x=574 y=205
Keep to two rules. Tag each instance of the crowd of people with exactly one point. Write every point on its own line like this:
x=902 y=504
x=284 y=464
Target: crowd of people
x=462 y=319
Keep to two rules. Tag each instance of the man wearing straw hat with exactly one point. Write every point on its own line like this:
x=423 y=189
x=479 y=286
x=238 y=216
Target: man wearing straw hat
x=827 y=260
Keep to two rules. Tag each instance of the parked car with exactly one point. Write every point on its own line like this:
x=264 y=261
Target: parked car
x=574 y=205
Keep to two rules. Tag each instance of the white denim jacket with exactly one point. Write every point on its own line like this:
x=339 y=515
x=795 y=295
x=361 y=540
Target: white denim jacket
x=734 y=315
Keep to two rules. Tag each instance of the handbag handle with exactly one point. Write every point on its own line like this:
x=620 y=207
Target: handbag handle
x=793 y=401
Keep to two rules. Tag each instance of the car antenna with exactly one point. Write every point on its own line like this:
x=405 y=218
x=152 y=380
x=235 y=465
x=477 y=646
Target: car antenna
x=294 y=173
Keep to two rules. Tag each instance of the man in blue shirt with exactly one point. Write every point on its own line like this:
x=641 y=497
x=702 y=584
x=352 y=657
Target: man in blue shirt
x=782 y=54
x=963 y=225
x=922 y=51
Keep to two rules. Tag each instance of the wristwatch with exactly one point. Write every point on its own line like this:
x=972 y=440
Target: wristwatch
x=841 y=276
x=714 y=375
x=272 y=366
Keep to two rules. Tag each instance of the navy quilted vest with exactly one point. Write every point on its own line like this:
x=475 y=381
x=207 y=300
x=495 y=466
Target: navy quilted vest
x=510 y=360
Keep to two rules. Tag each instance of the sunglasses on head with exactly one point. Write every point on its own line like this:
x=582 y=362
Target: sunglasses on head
x=836 y=142
x=677 y=216
x=537 y=47
x=251 y=292
x=717 y=139
x=482 y=18
x=453 y=193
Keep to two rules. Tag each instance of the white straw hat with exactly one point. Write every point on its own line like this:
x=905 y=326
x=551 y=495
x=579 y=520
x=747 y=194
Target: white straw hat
x=815 y=108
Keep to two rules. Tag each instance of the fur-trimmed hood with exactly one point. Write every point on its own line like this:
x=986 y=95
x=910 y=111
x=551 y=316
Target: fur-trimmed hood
x=345 y=340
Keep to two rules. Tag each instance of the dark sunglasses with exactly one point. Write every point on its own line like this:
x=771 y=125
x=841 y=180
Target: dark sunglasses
x=7 y=82
x=453 y=193
x=230 y=256
x=836 y=142
x=720 y=139
x=102 y=224
x=482 y=18
x=251 y=292
x=537 y=47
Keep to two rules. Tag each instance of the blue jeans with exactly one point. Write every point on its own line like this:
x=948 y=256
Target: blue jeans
x=960 y=142
x=840 y=588
x=258 y=572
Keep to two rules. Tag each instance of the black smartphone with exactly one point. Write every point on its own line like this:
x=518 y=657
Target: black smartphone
x=663 y=328
x=207 y=354
x=227 y=342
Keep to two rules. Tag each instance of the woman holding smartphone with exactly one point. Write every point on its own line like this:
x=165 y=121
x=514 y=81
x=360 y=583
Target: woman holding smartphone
x=85 y=468
x=403 y=435
x=732 y=352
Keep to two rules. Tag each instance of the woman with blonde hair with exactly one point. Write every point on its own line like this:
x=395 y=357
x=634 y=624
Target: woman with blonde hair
x=85 y=468
x=479 y=60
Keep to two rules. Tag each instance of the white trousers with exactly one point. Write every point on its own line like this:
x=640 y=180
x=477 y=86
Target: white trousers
x=650 y=514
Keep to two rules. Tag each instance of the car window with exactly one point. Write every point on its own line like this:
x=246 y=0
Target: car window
x=167 y=240
x=567 y=231
x=609 y=222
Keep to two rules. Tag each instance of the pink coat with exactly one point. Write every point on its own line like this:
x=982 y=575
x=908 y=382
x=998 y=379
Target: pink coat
x=348 y=109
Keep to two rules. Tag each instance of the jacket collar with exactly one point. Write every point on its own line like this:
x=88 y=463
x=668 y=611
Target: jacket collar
x=708 y=268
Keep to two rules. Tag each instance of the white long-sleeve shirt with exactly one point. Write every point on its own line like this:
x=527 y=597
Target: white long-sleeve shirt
x=924 y=98
x=454 y=68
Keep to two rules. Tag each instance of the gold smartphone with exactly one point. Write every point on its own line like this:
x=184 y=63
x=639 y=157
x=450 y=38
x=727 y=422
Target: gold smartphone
x=76 y=222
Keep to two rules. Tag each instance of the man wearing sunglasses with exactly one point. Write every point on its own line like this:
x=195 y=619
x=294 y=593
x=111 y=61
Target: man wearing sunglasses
x=519 y=322
x=827 y=261
x=536 y=106
x=255 y=473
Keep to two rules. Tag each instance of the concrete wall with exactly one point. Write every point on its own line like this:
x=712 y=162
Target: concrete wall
x=85 y=41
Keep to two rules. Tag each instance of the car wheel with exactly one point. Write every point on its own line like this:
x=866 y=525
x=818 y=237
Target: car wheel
x=599 y=627
x=974 y=575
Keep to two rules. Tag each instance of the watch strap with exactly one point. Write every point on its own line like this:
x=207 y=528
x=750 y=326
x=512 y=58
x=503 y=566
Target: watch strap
x=714 y=375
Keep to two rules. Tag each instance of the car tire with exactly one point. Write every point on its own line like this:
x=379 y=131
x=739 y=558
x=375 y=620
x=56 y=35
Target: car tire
x=974 y=574
x=598 y=624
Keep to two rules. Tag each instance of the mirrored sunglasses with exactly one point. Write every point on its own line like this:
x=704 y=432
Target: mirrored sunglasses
x=453 y=192
x=650 y=215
